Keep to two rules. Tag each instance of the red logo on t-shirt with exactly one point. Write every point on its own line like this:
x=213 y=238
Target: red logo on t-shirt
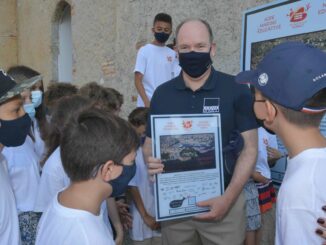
x=169 y=58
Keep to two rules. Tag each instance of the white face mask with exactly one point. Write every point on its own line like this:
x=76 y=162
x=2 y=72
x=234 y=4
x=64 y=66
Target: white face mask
x=37 y=98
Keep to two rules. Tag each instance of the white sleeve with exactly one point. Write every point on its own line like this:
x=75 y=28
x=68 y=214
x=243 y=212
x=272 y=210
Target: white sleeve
x=135 y=180
x=141 y=61
x=272 y=141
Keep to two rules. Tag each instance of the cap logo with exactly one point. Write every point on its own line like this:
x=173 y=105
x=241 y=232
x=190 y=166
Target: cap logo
x=263 y=79
x=319 y=77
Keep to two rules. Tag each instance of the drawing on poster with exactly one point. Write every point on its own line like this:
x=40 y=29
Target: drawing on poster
x=187 y=152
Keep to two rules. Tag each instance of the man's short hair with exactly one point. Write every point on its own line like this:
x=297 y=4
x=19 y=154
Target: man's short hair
x=163 y=17
x=209 y=29
x=305 y=119
x=91 y=139
x=138 y=116
x=102 y=97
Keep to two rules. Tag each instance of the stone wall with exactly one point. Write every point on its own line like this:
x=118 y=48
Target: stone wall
x=8 y=34
x=105 y=30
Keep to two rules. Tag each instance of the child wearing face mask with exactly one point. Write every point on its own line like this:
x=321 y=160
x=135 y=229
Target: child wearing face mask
x=96 y=172
x=155 y=63
x=33 y=106
x=14 y=127
x=145 y=230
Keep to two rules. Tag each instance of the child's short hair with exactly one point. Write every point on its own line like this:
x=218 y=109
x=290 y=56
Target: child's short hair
x=57 y=90
x=138 y=116
x=101 y=96
x=91 y=139
x=118 y=95
x=163 y=17
x=304 y=119
x=65 y=108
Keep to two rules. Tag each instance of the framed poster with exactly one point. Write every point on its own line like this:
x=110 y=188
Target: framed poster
x=269 y=25
x=190 y=148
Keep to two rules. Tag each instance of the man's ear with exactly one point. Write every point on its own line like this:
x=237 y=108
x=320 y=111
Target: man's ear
x=270 y=112
x=107 y=171
x=213 y=49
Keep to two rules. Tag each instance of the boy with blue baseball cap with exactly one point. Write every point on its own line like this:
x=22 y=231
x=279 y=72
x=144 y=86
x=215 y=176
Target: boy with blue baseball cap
x=290 y=99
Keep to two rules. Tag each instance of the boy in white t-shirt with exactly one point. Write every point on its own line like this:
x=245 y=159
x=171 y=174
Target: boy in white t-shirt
x=290 y=98
x=14 y=127
x=155 y=63
x=98 y=152
x=145 y=230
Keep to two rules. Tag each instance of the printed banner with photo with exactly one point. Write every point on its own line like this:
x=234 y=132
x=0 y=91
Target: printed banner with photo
x=190 y=149
x=266 y=26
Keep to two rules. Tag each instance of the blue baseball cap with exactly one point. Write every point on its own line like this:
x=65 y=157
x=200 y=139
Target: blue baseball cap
x=290 y=74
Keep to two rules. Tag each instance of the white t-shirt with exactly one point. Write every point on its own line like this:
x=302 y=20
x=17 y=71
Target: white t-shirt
x=158 y=65
x=55 y=179
x=264 y=139
x=140 y=231
x=62 y=225
x=24 y=173
x=39 y=145
x=300 y=198
x=9 y=228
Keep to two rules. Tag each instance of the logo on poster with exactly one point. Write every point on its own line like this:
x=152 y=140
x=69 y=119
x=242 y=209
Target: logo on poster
x=187 y=124
x=298 y=16
x=322 y=10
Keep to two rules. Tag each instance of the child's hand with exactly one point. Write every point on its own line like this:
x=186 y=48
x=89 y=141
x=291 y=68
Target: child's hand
x=273 y=154
x=150 y=222
x=322 y=223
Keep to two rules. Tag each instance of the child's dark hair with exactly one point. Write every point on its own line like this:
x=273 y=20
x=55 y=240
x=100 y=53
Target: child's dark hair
x=102 y=97
x=92 y=138
x=138 y=116
x=57 y=90
x=65 y=108
x=163 y=17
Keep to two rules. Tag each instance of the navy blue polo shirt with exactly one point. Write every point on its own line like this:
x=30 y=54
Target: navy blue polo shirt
x=220 y=94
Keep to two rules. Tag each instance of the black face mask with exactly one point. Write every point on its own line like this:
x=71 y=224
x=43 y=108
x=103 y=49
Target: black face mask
x=195 y=64
x=161 y=37
x=120 y=184
x=13 y=132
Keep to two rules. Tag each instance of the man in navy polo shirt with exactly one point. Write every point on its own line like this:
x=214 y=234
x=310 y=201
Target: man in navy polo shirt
x=201 y=89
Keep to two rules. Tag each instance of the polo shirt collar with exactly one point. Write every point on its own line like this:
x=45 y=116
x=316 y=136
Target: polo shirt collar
x=208 y=85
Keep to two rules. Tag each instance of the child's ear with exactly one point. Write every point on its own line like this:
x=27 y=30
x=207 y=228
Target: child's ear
x=107 y=171
x=271 y=112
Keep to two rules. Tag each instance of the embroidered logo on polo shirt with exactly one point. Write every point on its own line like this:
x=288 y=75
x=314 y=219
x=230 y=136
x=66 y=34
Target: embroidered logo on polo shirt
x=211 y=105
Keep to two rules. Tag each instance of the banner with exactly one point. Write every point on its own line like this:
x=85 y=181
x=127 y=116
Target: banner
x=266 y=26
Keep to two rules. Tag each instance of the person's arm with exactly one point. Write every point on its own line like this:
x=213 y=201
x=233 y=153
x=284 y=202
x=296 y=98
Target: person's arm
x=148 y=219
x=258 y=177
x=115 y=219
x=219 y=206
x=140 y=88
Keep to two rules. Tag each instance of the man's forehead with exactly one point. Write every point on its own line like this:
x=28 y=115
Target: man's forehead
x=193 y=30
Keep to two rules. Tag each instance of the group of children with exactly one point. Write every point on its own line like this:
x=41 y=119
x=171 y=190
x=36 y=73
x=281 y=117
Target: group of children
x=66 y=160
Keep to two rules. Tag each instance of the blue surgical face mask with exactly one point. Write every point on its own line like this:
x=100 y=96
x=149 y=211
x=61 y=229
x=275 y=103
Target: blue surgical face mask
x=37 y=98
x=120 y=184
x=161 y=37
x=194 y=63
x=30 y=110
x=13 y=132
